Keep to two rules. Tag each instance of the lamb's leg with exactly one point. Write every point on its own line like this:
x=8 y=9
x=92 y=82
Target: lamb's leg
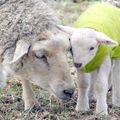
x=91 y=90
x=28 y=96
x=115 y=76
x=101 y=86
x=83 y=84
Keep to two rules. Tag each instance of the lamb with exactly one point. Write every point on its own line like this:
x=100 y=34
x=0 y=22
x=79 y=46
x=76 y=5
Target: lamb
x=92 y=56
x=31 y=48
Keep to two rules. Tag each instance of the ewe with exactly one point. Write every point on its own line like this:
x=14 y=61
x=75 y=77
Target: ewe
x=31 y=48
x=96 y=29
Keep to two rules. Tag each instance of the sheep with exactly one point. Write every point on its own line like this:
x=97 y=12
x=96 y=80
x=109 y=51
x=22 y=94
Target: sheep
x=32 y=49
x=92 y=56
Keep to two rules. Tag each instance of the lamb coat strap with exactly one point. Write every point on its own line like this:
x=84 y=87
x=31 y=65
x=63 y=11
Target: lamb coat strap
x=104 y=18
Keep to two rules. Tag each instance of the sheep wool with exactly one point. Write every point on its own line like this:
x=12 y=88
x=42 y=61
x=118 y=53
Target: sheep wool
x=104 y=18
x=23 y=20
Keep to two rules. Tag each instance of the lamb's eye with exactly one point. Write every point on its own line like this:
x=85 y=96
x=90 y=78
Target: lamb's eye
x=71 y=51
x=91 y=48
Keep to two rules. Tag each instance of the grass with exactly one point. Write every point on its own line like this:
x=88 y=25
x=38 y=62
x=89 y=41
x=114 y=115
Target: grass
x=12 y=108
x=11 y=103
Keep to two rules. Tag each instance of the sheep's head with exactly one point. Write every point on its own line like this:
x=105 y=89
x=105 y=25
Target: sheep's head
x=84 y=43
x=44 y=63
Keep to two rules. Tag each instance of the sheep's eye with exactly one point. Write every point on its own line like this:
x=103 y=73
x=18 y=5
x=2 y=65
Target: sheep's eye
x=42 y=57
x=91 y=48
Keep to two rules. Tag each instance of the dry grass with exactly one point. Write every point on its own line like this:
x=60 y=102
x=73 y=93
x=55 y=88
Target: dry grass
x=11 y=107
x=11 y=104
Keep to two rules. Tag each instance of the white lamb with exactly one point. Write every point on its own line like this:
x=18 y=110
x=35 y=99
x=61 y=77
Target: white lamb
x=92 y=56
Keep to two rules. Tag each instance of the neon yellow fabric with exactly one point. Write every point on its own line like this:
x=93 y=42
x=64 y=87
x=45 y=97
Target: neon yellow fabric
x=104 y=18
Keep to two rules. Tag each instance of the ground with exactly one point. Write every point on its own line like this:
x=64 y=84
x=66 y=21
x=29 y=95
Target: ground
x=11 y=103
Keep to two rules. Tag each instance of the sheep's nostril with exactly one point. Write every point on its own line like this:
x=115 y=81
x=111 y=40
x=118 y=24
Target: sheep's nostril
x=69 y=92
x=78 y=65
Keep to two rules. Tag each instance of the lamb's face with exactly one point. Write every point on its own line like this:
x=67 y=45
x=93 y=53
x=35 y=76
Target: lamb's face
x=84 y=46
x=45 y=64
x=85 y=43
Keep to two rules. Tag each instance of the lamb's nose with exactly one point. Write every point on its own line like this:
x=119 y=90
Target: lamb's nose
x=78 y=65
x=68 y=92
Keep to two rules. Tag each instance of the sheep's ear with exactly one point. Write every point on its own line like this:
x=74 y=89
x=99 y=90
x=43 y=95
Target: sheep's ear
x=66 y=29
x=21 y=49
x=102 y=38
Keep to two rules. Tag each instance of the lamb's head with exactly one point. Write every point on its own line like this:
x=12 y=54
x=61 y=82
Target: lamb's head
x=85 y=43
x=45 y=64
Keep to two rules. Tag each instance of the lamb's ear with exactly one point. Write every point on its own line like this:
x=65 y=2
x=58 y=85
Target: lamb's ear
x=102 y=38
x=21 y=49
x=66 y=29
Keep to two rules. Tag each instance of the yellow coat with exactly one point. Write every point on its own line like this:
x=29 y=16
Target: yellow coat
x=104 y=18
